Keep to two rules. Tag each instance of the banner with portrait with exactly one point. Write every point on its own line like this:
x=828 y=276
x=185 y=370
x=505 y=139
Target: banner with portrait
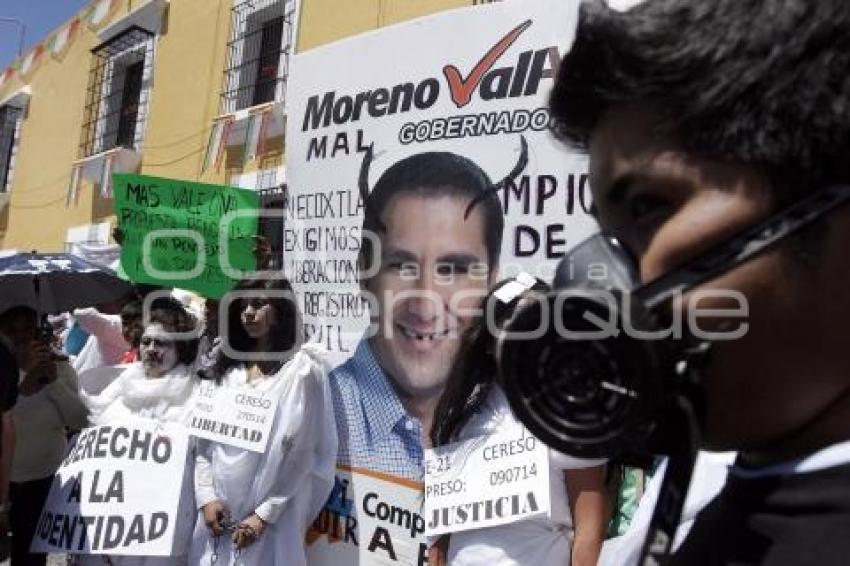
x=472 y=81
x=421 y=170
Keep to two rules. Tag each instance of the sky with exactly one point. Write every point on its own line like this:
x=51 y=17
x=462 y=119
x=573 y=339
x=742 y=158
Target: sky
x=40 y=18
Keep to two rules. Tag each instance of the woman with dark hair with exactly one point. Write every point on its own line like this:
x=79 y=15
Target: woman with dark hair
x=48 y=406
x=265 y=501
x=264 y=304
x=474 y=405
x=159 y=387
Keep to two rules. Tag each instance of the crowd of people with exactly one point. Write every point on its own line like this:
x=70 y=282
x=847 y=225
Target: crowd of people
x=262 y=503
x=699 y=124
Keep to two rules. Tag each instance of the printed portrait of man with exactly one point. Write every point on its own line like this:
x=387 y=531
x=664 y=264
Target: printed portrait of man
x=432 y=258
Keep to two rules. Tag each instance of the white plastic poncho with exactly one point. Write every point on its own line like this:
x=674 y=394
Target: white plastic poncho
x=165 y=399
x=288 y=484
x=134 y=394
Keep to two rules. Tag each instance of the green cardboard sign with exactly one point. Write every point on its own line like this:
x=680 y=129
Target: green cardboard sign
x=145 y=204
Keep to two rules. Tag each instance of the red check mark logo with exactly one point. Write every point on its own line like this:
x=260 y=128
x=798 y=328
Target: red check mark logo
x=461 y=89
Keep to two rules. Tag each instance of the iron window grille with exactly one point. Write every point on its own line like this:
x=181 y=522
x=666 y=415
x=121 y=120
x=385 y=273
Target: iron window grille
x=118 y=92
x=257 y=53
x=10 y=117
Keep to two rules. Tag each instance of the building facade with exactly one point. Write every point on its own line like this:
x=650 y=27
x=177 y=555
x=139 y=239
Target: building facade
x=188 y=89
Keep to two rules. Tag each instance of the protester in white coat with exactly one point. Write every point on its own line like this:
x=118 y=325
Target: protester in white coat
x=255 y=508
x=159 y=388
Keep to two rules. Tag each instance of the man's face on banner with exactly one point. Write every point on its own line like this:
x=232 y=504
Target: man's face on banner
x=433 y=272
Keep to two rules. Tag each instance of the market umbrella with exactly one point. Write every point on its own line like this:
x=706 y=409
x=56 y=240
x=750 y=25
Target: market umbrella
x=53 y=283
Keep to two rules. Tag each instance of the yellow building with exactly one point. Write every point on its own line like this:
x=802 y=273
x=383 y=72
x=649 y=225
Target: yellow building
x=190 y=89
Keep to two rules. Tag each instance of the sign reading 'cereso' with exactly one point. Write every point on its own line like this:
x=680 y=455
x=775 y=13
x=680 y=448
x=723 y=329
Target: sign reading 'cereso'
x=240 y=417
x=487 y=481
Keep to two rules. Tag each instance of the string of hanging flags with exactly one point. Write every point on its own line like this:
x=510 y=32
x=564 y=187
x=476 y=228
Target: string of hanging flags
x=95 y=16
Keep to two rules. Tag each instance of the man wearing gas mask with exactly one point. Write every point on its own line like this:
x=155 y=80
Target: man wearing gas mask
x=719 y=136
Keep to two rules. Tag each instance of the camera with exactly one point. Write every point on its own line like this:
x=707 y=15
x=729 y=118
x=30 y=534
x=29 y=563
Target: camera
x=44 y=333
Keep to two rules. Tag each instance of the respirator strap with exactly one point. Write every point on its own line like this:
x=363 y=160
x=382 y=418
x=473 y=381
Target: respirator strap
x=712 y=263
x=674 y=487
x=738 y=249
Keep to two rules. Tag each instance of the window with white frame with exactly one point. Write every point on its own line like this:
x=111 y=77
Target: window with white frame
x=118 y=93
x=10 y=125
x=258 y=53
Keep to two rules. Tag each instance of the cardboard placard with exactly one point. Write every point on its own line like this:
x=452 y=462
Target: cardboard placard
x=486 y=481
x=117 y=492
x=472 y=82
x=240 y=417
x=371 y=519
x=174 y=234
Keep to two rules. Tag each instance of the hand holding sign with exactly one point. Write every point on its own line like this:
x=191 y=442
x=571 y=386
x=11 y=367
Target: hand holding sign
x=262 y=251
x=115 y=493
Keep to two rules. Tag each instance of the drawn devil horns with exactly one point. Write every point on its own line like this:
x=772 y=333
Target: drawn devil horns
x=363 y=178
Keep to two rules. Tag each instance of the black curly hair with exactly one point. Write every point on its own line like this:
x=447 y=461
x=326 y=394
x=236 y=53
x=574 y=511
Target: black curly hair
x=475 y=369
x=758 y=81
x=174 y=317
x=286 y=333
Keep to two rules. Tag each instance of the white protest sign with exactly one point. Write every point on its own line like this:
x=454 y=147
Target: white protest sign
x=240 y=417
x=117 y=492
x=370 y=519
x=469 y=81
x=486 y=481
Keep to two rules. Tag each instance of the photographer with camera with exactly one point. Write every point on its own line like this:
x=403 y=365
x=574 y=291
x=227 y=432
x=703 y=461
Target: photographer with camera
x=48 y=407
x=718 y=135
